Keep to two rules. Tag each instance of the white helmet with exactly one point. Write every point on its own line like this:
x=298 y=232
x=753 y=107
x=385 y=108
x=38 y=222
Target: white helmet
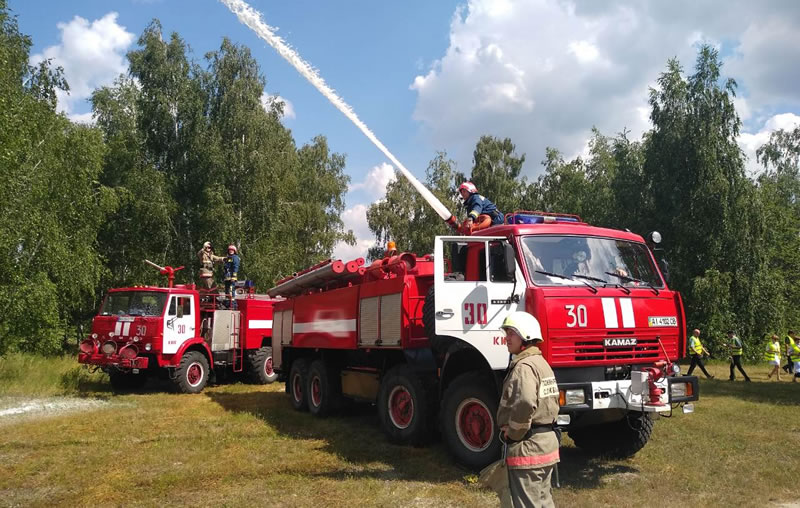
x=206 y=245
x=525 y=325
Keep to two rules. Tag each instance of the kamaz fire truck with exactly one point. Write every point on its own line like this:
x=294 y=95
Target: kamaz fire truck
x=181 y=333
x=420 y=337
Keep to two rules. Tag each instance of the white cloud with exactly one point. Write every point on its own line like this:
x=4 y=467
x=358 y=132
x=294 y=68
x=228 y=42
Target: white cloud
x=84 y=118
x=543 y=72
x=355 y=218
x=92 y=55
x=376 y=181
x=288 y=108
x=750 y=142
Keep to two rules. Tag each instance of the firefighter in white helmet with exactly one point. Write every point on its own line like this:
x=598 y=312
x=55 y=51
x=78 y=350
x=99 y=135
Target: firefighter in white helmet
x=207 y=259
x=527 y=414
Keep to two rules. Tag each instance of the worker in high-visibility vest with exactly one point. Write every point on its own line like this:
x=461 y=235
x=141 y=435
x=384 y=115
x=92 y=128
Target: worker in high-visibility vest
x=773 y=356
x=793 y=350
x=735 y=349
x=696 y=352
x=787 y=341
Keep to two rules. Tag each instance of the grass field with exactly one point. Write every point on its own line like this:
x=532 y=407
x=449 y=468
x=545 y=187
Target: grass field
x=242 y=445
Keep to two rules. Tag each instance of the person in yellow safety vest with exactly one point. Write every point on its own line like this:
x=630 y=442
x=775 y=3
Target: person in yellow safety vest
x=696 y=352
x=793 y=351
x=773 y=356
x=527 y=414
x=735 y=348
x=787 y=341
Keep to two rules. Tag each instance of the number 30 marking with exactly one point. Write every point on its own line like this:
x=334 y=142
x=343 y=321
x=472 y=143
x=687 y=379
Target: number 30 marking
x=578 y=315
x=469 y=314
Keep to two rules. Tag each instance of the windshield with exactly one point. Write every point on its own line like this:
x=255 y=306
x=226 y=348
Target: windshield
x=134 y=303
x=574 y=260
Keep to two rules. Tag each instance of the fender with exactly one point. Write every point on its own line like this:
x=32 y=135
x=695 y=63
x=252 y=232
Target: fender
x=176 y=358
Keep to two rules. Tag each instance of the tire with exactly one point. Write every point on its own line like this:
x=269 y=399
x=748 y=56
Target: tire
x=469 y=429
x=191 y=376
x=324 y=389
x=405 y=407
x=126 y=381
x=618 y=440
x=296 y=384
x=261 y=370
x=438 y=343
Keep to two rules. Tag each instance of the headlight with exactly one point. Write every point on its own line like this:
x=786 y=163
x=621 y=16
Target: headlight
x=129 y=352
x=676 y=369
x=87 y=346
x=680 y=389
x=575 y=396
x=109 y=347
x=94 y=335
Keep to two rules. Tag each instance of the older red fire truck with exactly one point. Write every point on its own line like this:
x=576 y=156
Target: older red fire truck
x=419 y=336
x=181 y=333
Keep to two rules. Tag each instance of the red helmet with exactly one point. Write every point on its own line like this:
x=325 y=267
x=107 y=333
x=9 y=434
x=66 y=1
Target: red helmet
x=469 y=187
x=232 y=248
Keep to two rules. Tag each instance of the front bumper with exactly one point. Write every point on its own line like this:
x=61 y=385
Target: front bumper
x=625 y=394
x=101 y=360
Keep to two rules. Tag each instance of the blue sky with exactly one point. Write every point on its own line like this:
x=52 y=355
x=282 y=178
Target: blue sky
x=435 y=75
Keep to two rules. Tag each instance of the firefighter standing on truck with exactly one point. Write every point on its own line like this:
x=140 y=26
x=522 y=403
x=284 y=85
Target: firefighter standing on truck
x=527 y=414
x=207 y=259
x=231 y=271
x=476 y=206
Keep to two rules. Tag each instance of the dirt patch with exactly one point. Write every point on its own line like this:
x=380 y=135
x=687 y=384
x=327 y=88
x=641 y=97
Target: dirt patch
x=17 y=408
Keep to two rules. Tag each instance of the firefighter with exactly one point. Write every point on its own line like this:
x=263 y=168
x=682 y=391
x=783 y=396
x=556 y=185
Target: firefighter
x=527 y=414
x=476 y=206
x=773 y=356
x=697 y=350
x=231 y=271
x=207 y=259
x=734 y=345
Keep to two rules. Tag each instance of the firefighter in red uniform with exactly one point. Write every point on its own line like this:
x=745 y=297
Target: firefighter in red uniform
x=527 y=414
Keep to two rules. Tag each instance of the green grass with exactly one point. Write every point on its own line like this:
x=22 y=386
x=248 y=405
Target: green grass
x=29 y=375
x=241 y=445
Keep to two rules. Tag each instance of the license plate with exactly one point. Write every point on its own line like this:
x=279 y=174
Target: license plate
x=619 y=342
x=662 y=321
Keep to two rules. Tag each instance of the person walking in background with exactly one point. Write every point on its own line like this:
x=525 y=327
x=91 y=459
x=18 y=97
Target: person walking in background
x=527 y=414
x=773 y=357
x=793 y=352
x=735 y=349
x=788 y=341
x=696 y=352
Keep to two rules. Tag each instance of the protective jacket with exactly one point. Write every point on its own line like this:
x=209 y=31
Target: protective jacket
x=479 y=205
x=529 y=401
x=735 y=346
x=793 y=350
x=773 y=352
x=695 y=346
x=207 y=260
x=231 y=267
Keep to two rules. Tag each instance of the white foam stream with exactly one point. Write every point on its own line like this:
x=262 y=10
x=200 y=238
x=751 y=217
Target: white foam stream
x=252 y=19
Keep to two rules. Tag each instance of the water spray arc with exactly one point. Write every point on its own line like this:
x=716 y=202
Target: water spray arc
x=252 y=18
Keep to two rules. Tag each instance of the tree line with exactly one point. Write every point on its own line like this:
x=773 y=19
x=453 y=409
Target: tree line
x=183 y=151
x=731 y=238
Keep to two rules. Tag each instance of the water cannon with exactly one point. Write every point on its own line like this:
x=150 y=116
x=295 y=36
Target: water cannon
x=165 y=270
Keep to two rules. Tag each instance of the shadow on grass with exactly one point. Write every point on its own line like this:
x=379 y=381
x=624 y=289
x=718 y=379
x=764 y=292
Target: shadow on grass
x=783 y=393
x=354 y=435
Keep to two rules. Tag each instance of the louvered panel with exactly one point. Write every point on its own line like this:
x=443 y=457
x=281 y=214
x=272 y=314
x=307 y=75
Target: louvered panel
x=277 y=329
x=391 y=319
x=368 y=321
x=286 y=335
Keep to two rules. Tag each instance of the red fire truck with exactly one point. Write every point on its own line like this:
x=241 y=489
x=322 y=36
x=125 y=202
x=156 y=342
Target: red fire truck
x=179 y=332
x=420 y=337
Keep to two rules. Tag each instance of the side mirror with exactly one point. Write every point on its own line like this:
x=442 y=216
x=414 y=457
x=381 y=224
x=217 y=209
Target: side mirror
x=511 y=261
x=664 y=269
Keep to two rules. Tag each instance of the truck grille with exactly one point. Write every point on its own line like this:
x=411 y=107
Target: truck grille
x=583 y=350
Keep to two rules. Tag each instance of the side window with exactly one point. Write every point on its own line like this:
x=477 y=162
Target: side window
x=497 y=263
x=172 y=306
x=186 y=303
x=464 y=261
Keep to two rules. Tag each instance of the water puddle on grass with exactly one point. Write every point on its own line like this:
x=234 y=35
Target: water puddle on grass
x=17 y=408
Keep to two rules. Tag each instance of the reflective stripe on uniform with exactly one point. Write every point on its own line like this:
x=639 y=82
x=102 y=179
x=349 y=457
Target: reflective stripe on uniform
x=533 y=460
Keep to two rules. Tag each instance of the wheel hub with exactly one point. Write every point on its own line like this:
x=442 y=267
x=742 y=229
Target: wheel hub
x=474 y=424
x=401 y=407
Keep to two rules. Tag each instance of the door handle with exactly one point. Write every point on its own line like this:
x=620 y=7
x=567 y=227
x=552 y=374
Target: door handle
x=445 y=313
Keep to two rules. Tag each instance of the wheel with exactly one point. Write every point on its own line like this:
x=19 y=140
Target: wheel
x=404 y=407
x=619 y=440
x=261 y=370
x=468 y=420
x=191 y=375
x=296 y=384
x=324 y=389
x=438 y=343
x=126 y=381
